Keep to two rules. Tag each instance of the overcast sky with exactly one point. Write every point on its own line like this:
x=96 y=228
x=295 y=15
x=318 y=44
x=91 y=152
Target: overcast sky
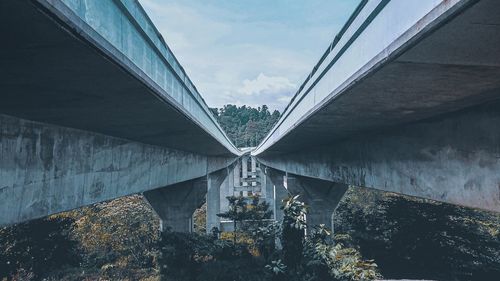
x=249 y=52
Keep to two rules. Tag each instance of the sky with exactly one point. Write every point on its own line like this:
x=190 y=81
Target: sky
x=248 y=52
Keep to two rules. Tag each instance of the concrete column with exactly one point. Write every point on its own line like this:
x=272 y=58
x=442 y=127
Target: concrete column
x=253 y=169
x=175 y=204
x=237 y=173
x=321 y=196
x=227 y=188
x=214 y=182
x=275 y=186
x=244 y=169
x=253 y=166
x=266 y=190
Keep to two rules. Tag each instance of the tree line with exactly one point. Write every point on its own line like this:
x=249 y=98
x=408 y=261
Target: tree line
x=246 y=126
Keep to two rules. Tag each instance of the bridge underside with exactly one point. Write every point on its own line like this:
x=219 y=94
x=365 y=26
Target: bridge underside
x=56 y=73
x=452 y=65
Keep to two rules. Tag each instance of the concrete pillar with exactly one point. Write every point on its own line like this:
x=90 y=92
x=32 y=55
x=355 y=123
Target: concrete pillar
x=214 y=184
x=237 y=173
x=244 y=169
x=276 y=188
x=253 y=166
x=227 y=188
x=175 y=204
x=253 y=169
x=266 y=190
x=321 y=196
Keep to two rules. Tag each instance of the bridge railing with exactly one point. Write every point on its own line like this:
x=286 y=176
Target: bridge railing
x=369 y=32
x=127 y=27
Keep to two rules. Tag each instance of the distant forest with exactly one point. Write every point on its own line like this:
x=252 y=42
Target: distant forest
x=246 y=126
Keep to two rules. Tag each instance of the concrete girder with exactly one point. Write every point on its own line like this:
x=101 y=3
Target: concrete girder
x=46 y=169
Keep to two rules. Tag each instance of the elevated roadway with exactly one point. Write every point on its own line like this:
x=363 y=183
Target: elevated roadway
x=405 y=99
x=93 y=106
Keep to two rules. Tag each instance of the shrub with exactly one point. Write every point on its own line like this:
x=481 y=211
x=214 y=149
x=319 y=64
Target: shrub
x=37 y=247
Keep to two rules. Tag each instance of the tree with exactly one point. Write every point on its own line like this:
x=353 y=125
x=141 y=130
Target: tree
x=247 y=213
x=293 y=230
x=246 y=126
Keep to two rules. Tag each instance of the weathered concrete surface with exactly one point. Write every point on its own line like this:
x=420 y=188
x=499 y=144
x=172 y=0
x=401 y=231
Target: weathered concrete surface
x=414 y=60
x=321 y=196
x=112 y=111
x=46 y=169
x=454 y=158
x=175 y=204
x=215 y=181
x=91 y=65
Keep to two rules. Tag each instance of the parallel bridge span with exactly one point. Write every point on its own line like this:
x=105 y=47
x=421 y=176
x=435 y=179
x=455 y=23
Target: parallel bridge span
x=93 y=106
x=405 y=99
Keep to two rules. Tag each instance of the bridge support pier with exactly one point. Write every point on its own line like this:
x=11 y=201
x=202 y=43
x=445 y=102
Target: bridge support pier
x=321 y=196
x=275 y=186
x=175 y=204
x=215 y=181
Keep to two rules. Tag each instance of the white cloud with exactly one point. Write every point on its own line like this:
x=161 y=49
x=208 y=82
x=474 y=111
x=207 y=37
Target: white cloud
x=274 y=91
x=264 y=84
x=226 y=52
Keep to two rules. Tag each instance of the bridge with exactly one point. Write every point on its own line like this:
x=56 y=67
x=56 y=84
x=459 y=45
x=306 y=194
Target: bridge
x=406 y=100
x=94 y=106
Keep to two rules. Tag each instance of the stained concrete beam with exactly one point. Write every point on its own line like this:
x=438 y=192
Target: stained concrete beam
x=454 y=158
x=46 y=169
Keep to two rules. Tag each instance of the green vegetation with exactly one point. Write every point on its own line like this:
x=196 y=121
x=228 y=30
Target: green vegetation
x=34 y=249
x=407 y=237
x=421 y=239
x=247 y=214
x=116 y=240
x=246 y=126
x=189 y=257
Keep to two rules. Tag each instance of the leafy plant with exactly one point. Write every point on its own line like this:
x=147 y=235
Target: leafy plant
x=247 y=213
x=293 y=230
